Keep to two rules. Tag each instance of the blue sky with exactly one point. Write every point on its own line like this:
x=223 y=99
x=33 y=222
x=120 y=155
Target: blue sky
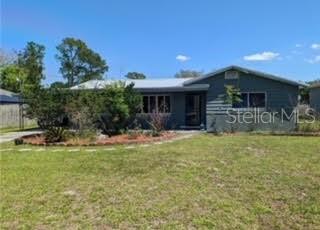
x=161 y=37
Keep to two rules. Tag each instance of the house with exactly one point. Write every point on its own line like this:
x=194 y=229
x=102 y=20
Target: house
x=8 y=97
x=199 y=103
x=10 y=109
x=315 y=97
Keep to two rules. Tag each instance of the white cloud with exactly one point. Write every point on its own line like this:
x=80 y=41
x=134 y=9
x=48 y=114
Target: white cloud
x=264 y=56
x=182 y=58
x=315 y=46
x=298 y=45
x=314 y=60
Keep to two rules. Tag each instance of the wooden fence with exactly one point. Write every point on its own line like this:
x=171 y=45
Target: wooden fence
x=11 y=115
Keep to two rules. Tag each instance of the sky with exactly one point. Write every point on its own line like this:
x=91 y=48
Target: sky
x=161 y=37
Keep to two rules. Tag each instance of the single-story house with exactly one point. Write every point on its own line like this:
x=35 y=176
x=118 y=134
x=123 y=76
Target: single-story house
x=10 y=109
x=315 y=97
x=8 y=97
x=199 y=103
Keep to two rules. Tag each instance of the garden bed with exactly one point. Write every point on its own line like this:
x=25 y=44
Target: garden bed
x=39 y=139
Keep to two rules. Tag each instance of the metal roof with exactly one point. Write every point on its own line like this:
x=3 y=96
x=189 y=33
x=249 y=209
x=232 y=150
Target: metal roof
x=178 y=84
x=245 y=70
x=9 y=97
x=147 y=85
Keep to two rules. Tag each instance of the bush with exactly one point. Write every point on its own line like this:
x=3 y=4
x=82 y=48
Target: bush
x=116 y=106
x=158 y=122
x=56 y=134
x=18 y=141
x=309 y=127
x=111 y=109
x=80 y=113
x=47 y=106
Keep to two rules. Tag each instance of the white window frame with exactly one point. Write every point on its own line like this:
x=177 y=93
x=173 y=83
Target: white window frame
x=248 y=100
x=157 y=108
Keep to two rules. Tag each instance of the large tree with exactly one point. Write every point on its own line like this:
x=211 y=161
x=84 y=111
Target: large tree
x=31 y=60
x=78 y=62
x=135 y=75
x=11 y=75
x=12 y=78
x=188 y=74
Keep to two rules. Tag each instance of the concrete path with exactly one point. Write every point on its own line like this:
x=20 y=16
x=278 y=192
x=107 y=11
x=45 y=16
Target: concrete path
x=13 y=135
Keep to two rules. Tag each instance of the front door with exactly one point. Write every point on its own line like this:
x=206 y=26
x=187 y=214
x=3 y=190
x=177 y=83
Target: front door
x=193 y=109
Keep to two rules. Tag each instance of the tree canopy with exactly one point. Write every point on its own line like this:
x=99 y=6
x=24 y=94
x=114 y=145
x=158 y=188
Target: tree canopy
x=188 y=74
x=78 y=62
x=58 y=84
x=12 y=78
x=135 y=75
x=31 y=60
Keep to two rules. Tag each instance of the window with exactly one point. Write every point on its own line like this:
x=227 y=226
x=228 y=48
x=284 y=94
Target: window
x=257 y=100
x=244 y=101
x=252 y=100
x=156 y=104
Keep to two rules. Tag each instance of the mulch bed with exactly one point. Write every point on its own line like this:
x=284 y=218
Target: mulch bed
x=38 y=139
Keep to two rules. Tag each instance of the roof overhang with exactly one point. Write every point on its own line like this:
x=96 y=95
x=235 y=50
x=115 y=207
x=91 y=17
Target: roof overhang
x=192 y=88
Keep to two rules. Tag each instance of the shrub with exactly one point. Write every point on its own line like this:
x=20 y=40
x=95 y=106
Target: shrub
x=158 y=122
x=115 y=107
x=56 y=134
x=80 y=113
x=47 y=106
x=18 y=141
x=309 y=127
x=110 y=109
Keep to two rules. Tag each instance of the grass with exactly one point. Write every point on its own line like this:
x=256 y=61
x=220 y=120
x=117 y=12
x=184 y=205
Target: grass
x=245 y=182
x=306 y=126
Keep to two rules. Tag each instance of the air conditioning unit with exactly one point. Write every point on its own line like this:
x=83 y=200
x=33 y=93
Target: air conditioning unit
x=231 y=74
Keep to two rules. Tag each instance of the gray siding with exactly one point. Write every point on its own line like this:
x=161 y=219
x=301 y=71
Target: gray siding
x=315 y=98
x=177 y=117
x=279 y=95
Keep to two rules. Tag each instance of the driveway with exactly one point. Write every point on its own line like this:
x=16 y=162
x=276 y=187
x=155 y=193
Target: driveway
x=13 y=135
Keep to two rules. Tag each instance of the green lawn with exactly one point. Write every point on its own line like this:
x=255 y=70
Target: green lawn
x=222 y=182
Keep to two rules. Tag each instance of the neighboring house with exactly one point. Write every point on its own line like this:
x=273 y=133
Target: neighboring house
x=315 y=97
x=200 y=102
x=11 y=110
x=8 y=97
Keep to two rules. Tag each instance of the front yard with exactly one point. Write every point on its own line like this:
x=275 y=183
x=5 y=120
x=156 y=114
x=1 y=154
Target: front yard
x=241 y=181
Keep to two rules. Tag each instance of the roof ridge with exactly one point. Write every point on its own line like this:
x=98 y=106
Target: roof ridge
x=244 y=69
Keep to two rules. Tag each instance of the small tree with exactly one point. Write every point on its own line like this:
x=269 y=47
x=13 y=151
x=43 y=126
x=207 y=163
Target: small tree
x=135 y=75
x=233 y=95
